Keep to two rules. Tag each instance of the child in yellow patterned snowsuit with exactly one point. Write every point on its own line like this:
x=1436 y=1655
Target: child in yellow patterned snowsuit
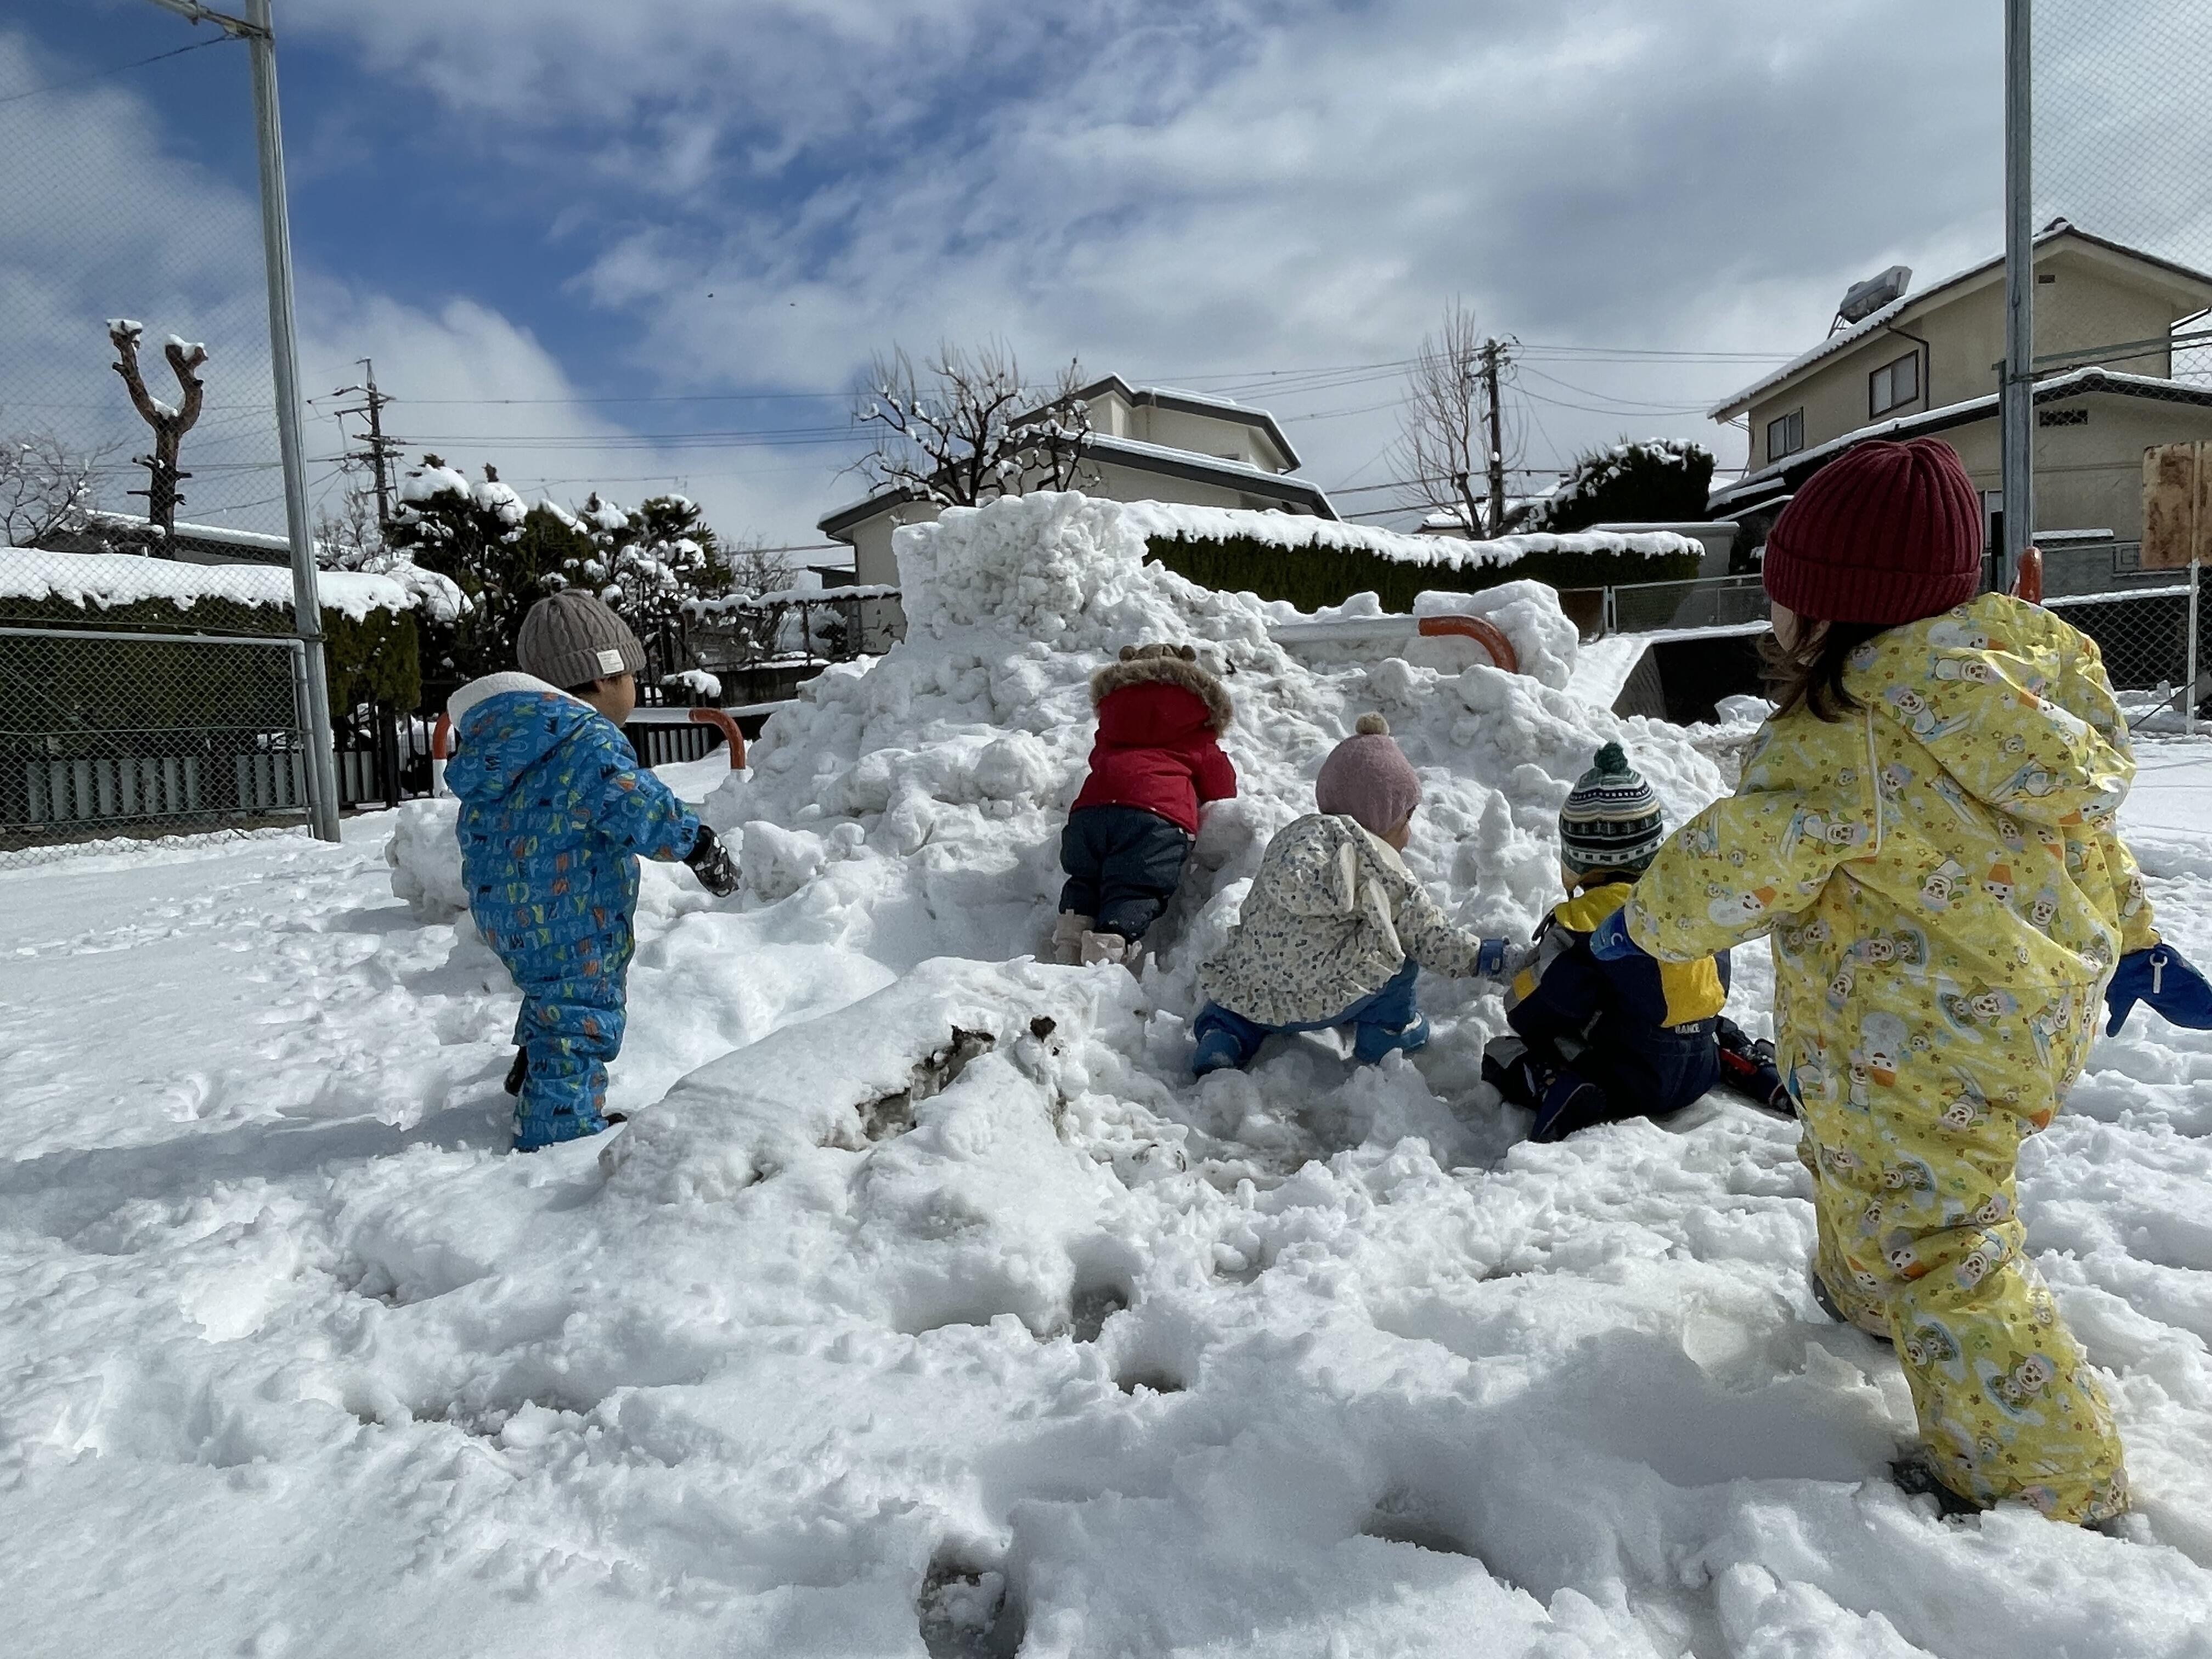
x=1935 y=857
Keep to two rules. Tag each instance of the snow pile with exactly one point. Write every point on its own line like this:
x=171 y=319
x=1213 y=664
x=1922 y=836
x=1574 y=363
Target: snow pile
x=695 y=682
x=923 y=795
x=1545 y=643
x=1171 y=518
x=104 y=580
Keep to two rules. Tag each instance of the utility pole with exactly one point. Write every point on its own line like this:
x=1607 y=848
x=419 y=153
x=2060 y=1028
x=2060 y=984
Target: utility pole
x=382 y=449
x=1493 y=354
x=311 y=683
x=2016 y=399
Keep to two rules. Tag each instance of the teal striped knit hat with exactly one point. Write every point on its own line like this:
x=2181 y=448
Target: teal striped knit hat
x=1612 y=821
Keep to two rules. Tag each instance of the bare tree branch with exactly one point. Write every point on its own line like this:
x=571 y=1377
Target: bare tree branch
x=45 y=489
x=967 y=427
x=1442 y=452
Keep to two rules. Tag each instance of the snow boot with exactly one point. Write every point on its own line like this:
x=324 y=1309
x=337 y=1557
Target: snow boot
x=1916 y=1478
x=1826 y=1299
x=1747 y=1068
x=1067 y=931
x=1217 y=1051
x=518 y=1072
x=1569 y=1104
x=1096 y=948
x=1370 y=1042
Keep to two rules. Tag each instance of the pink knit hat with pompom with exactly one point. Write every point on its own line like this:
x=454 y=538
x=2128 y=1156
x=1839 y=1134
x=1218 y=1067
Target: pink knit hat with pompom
x=1368 y=778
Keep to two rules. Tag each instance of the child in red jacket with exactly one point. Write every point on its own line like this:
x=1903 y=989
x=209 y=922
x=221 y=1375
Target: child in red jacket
x=1155 y=761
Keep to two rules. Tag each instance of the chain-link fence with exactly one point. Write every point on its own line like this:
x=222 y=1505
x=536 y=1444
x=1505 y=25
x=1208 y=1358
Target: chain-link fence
x=107 y=732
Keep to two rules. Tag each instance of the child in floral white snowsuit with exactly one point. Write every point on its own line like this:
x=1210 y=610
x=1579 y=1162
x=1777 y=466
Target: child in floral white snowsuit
x=1335 y=929
x=1926 y=830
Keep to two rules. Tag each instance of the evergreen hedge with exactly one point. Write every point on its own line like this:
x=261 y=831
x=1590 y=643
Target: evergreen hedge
x=1313 y=576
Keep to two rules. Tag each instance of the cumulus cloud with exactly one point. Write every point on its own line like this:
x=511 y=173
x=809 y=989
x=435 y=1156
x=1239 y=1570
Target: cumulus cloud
x=750 y=196
x=1211 y=185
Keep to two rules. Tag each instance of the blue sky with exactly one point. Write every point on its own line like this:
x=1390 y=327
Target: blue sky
x=535 y=199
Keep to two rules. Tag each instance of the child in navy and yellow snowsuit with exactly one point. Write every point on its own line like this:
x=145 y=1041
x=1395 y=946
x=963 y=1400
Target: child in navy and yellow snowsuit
x=554 y=809
x=1596 y=1042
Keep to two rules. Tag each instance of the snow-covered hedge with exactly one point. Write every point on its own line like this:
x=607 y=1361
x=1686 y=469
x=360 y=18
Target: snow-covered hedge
x=1317 y=562
x=371 y=650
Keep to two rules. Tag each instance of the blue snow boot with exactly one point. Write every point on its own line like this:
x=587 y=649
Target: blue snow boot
x=1218 y=1051
x=1569 y=1104
x=1370 y=1042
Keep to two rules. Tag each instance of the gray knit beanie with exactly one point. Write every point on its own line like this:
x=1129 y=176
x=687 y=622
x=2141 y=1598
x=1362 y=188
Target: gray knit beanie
x=1368 y=778
x=571 y=639
x=1611 y=822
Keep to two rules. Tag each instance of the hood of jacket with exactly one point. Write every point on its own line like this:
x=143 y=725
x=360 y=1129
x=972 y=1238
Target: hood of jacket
x=1977 y=699
x=1161 y=666
x=503 y=725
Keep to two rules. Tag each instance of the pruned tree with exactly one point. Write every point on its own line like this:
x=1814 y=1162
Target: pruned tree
x=1444 y=429
x=46 y=489
x=169 y=424
x=967 y=427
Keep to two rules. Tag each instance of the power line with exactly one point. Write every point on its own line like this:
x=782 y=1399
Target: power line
x=119 y=68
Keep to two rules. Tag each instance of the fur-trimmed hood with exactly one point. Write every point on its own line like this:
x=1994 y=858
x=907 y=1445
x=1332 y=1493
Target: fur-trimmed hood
x=1166 y=665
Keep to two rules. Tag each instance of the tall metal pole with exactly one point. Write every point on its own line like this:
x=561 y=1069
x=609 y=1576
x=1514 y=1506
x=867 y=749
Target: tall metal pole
x=285 y=353
x=2016 y=399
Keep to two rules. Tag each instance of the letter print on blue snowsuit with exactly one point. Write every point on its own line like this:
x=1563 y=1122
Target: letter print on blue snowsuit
x=554 y=809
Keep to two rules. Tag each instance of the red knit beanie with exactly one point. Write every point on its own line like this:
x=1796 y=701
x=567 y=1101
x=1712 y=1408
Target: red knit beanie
x=1884 y=534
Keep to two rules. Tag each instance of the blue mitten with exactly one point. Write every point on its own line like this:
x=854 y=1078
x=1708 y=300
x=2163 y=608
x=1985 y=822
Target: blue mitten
x=1611 y=942
x=2160 y=976
x=1497 y=959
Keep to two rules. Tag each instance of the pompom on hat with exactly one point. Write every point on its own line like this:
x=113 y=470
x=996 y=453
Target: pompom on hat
x=1612 y=820
x=1368 y=778
x=1886 y=533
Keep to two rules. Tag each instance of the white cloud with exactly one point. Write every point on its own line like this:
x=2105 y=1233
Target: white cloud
x=104 y=220
x=1184 y=188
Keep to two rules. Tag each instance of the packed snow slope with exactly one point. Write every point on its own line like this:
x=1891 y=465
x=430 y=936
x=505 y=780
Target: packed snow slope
x=926 y=1306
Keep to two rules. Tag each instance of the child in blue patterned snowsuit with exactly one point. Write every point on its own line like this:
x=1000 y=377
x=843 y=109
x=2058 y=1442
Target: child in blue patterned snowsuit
x=554 y=809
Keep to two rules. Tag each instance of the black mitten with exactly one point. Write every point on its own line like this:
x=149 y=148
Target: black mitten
x=711 y=862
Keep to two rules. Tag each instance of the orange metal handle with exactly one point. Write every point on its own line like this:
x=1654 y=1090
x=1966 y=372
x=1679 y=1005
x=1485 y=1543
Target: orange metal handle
x=1482 y=632
x=729 y=728
x=2028 y=585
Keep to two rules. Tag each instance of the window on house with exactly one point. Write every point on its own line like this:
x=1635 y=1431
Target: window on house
x=1785 y=436
x=1894 y=384
x=2062 y=417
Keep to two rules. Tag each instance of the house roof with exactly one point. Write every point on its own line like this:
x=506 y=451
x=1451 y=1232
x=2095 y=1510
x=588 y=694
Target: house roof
x=1194 y=403
x=1875 y=321
x=1208 y=469
x=1137 y=456
x=834 y=525
x=1753 y=488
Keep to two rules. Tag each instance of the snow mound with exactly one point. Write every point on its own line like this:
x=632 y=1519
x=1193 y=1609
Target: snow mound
x=1527 y=613
x=921 y=796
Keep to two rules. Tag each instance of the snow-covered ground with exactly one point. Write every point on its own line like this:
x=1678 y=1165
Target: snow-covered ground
x=930 y=1308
